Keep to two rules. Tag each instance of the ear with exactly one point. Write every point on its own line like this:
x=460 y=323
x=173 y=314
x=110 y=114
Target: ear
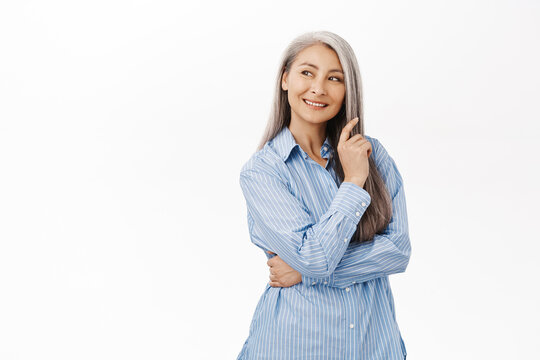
x=284 y=85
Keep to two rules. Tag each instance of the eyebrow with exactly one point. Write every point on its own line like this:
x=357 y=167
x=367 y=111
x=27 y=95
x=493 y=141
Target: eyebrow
x=308 y=64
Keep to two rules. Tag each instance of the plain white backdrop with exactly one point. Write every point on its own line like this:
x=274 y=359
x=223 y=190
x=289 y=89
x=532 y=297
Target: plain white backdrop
x=124 y=125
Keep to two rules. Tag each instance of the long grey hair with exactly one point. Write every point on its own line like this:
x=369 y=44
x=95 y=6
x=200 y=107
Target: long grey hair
x=378 y=214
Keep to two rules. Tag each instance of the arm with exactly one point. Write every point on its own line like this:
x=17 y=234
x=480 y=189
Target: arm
x=281 y=223
x=387 y=253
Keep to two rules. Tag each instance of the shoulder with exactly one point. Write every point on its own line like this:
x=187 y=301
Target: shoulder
x=379 y=153
x=263 y=162
x=385 y=162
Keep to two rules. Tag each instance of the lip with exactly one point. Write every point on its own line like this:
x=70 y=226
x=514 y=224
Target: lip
x=316 y=102
x=313 y=106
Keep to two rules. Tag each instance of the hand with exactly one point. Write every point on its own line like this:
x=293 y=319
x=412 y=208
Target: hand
x=281 y=274
x=354 y=154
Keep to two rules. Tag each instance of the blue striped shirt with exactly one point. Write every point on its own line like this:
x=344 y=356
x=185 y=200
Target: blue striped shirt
x=344 y=307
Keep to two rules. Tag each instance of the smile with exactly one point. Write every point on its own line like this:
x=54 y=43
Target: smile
x=315 y=104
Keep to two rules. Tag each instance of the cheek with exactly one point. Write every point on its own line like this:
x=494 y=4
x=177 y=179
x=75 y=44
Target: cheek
x=340 y=96
x=299 y=85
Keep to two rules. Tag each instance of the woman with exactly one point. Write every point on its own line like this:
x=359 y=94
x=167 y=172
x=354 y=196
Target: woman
x=326 y=204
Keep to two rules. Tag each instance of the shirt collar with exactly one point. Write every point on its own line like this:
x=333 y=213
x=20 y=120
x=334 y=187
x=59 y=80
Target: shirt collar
x=283 y=143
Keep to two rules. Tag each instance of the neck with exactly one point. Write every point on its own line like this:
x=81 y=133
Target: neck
x=309 y=136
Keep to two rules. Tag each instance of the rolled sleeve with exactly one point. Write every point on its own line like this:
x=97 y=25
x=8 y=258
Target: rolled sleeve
x=351 y=200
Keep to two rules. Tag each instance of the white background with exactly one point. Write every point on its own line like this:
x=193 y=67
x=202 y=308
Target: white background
x=123 y=127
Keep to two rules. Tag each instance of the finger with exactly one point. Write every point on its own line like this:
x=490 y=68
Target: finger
x=365 y=145
x=360 y=146
x=355 y=138
x=346 y=131
x=271 y=261
x=273 y=278
x=369 y=150
x=274 y=284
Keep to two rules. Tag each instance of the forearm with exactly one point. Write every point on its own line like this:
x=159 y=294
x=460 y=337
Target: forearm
x=279 y=222
x=367 y=261
x=387 y=253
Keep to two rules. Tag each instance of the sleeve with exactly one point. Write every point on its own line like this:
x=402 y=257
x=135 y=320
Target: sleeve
x=387 y=253
x=281 y=223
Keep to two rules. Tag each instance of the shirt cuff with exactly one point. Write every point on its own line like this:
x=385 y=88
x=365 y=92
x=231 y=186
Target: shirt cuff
x=351 y=200
x=308 y=281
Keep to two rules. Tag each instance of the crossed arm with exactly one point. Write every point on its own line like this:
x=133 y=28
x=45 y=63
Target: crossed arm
x=387 y=254
x=321 y=253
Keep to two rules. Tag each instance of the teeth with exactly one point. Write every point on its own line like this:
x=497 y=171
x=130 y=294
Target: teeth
x=314 y=104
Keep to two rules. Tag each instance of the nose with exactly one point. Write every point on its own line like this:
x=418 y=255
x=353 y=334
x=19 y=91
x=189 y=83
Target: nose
x=318 y=86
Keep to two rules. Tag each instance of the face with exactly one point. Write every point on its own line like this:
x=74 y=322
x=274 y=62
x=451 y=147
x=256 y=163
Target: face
x=315 y=76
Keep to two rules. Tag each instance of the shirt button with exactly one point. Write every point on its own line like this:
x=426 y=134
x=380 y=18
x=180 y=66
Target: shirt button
x=363 y=203
x=326 y=282
x=354 y=282
x=313 y=283
x=345 y=240
x=357 y=213
x=325 y=148
x=351 y=326
x=347 y=289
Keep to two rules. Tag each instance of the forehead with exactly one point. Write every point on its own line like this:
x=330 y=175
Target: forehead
x=319 y=55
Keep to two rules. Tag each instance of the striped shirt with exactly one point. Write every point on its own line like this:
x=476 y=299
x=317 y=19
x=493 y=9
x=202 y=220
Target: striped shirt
x=344 y=307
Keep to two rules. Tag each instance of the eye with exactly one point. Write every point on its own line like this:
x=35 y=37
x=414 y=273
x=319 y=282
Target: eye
x=305 y=71
x=338 y=79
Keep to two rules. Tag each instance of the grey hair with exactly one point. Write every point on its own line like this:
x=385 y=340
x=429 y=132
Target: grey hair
x=280 y=114
x=378 y=214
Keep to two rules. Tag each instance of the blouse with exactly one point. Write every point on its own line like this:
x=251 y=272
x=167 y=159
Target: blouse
x=343 y=308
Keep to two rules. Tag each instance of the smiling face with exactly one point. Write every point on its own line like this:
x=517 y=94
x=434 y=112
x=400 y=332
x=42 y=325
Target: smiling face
x=315 y=84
